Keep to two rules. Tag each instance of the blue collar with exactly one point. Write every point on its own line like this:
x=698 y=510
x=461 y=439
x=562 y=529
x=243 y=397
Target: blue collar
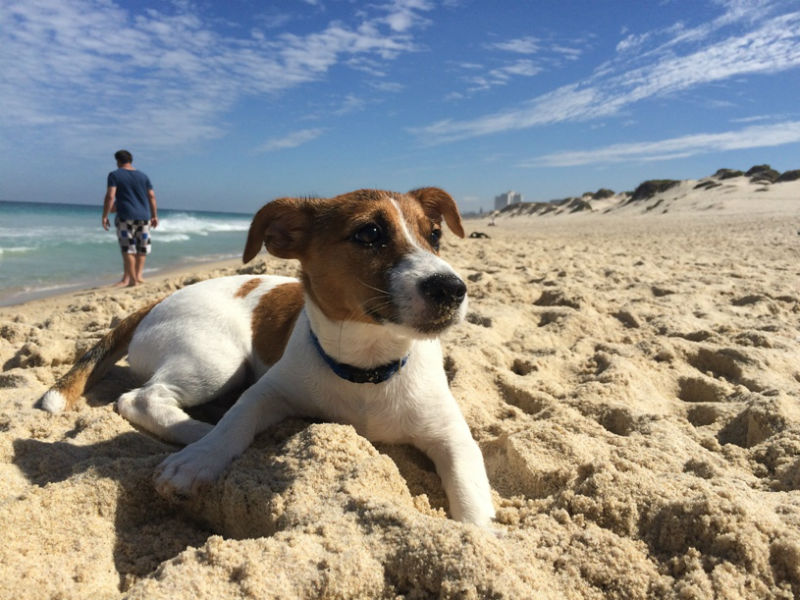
x=357 y=374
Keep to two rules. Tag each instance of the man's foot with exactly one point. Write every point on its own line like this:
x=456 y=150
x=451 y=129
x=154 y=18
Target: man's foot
x=122 y=283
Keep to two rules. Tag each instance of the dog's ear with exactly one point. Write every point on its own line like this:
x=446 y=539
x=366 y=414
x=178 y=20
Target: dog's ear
x=283 y=226
x=437 y=204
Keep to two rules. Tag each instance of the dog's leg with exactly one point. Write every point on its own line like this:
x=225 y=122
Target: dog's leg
x=459 y=463
x=200 y=463
x=157 y=408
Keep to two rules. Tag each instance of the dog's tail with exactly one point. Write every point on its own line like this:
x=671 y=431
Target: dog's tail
x=93 y=365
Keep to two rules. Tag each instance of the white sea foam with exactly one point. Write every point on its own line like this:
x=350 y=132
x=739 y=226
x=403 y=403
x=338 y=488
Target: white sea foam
x=31 y=232
x=48 y=235
x=16 y=250
x=166 y=238
x=192 y=225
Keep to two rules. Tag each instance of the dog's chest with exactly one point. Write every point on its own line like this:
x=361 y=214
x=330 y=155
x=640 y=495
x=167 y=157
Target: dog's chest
x=394 y=411
x=378 y=416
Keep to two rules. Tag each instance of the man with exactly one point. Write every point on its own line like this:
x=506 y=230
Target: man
x=135 y=200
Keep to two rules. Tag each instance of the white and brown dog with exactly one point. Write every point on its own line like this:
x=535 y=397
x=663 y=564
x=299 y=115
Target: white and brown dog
x=355 y=341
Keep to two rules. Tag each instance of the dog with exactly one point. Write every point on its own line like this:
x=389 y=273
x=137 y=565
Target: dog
x=353 y=340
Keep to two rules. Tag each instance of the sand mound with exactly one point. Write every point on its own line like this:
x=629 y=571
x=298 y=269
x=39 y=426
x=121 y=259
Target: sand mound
x=633 y=382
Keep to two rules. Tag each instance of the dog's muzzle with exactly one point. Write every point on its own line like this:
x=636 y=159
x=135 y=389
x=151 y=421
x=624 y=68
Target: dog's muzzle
x=427 y=295
x=444 y=296
x=444 y=291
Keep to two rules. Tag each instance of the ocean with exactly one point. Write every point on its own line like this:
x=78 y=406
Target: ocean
x=51 y=248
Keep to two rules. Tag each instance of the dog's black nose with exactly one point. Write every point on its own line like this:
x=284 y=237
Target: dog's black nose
x=444 y=289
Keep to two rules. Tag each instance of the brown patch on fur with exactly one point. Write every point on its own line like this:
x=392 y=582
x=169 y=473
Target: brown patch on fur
x=419 y=223
x=99 y=358
x=247 y=287
x=437 y=204
x=347 y=280
x=273 y=320
x=282 y=227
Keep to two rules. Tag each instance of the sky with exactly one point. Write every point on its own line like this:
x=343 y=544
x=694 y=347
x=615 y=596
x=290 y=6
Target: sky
x=227 y=105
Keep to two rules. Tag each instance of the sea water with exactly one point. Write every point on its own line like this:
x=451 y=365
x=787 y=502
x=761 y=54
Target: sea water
x=50 y=248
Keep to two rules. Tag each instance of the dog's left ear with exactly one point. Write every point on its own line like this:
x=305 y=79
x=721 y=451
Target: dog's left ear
x=437 y=204
x=282 y=226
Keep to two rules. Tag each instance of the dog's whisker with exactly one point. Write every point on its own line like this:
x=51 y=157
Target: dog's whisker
x=382 y=303
x=341 y=335
x=372 y=287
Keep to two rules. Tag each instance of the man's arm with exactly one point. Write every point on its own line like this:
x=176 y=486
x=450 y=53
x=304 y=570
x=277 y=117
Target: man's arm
x=108 y=203
x=153 y=209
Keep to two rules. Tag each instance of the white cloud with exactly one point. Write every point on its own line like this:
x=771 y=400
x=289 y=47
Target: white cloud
x=633 y=41
x=405 y=14
x=92 y=71
x=523 y=45
x=481 y=77
x=350 y=104
x=503 y=75
x=549 y=54
x=756 y=136
x=566 y=51
x=526 y=68
x=756 y=118
x=291 y=140
x=770 y=46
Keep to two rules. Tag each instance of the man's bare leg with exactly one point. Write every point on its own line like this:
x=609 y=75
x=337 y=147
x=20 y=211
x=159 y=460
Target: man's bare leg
x=139 y=268
x=128 y=273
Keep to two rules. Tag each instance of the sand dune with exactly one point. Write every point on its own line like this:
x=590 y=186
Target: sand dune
x=632 y=377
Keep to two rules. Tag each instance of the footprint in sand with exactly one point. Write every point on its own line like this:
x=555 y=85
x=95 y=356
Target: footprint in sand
x=477 y=319
x=530 y=402
x=558 y=298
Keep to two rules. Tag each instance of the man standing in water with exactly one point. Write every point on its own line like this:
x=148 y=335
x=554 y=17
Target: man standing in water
x=135 y=200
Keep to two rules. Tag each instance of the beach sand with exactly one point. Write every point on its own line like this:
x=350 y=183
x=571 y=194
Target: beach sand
x=632 y=378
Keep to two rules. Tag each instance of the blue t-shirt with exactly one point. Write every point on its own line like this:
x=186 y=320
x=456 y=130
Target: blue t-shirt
x=131 y=199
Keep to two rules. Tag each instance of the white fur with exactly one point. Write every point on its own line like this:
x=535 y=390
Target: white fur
x=53 y=401
x=198 y=341
x=193 y=346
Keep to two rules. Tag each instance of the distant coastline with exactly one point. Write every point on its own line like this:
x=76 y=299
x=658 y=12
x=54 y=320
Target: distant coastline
x=654 y=193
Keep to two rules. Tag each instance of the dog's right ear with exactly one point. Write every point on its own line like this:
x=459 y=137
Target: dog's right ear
x=283 y=226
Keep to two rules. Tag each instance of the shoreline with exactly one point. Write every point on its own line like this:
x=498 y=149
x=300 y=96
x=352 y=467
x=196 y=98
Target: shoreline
x=184 y=268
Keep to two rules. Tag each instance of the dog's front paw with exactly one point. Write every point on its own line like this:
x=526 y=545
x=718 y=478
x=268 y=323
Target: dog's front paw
x=479 y=512
x=182 y=474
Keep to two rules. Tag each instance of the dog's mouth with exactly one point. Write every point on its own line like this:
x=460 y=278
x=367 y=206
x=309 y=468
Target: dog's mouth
x=430 y=322
x=438 y=324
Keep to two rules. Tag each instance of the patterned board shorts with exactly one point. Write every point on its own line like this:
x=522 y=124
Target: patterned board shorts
x=133 y=236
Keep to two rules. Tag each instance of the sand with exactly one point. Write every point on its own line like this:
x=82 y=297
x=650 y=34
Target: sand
x=632 y=376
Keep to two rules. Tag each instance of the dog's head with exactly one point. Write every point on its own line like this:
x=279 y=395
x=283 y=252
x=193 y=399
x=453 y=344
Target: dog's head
x=370 y=255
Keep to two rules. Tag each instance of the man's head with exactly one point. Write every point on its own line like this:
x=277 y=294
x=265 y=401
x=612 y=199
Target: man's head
x=123 y=157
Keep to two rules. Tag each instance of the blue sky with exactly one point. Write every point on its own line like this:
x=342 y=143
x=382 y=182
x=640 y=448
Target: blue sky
x=229 y=104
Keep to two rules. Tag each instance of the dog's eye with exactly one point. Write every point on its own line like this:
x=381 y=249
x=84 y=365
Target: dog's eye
x=435 y=236
x=369 y=235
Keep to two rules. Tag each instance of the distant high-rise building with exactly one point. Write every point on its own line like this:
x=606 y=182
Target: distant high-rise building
x=503 y=200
